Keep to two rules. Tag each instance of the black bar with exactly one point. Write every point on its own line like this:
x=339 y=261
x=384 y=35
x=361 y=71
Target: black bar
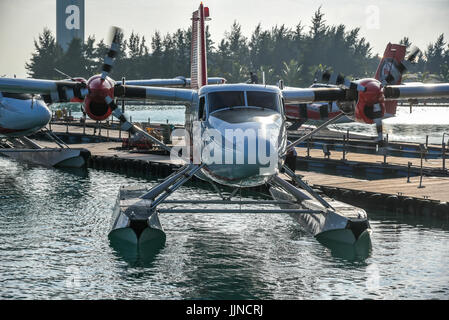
x=329 y=94
x=134 y=92
x=391 y=93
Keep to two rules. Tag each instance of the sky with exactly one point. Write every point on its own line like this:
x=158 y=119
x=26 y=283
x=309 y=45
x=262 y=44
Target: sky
x=381 y=21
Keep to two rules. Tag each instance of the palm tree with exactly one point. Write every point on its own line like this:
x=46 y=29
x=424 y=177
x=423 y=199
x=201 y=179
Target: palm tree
x=292 y=73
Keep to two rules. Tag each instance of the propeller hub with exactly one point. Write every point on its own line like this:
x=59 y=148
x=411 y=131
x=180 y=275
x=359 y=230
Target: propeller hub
x=94 y=103
x=371 y=101
x=99 y=89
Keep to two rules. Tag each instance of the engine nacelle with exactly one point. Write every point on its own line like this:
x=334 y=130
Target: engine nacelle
x=371 y=101
x=82 y=81
x=94 y=102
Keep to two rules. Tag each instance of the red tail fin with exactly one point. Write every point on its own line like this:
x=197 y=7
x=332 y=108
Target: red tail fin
x=390 y=70
x=198 y=60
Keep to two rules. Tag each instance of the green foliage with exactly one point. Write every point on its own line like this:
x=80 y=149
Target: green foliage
x=45 y=58
x=292 y=73
x=291 y=54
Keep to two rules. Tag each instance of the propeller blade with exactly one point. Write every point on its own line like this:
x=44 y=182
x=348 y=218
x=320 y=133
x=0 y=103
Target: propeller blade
x=408 y=61
x=333 y=78
x=112 y=53
x=413 y=54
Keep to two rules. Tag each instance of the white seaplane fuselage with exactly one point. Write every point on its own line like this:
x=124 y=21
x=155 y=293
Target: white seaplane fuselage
x=21 y=115
x=243 y=133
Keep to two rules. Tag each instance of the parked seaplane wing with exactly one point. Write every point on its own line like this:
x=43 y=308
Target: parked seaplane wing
x=364 y=100
x=358 y=89
x=309 y=95
x=67 y=90
x=175 y=82
x=58 y=90
x=417 y=91
x=140 y=92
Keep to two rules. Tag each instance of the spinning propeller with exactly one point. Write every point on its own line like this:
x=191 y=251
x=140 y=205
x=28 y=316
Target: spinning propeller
x=369 y=106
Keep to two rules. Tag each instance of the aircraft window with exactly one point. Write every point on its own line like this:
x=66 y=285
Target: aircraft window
x=225 y=99
x=263 y=99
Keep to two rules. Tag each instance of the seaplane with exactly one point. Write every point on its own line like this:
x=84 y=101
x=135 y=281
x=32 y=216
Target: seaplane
x=390 y=70
x=25 y=113
x=235 y=136
x=22 y=114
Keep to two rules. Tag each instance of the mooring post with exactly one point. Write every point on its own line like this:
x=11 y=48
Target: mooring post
x=308 y=148
x=123 y=101
x=84 y=125
x=66 y=125
x=385 y=150
x=99 y=128
x=443 y=155
x=422 y=149
x=408 y=171
x=344 y=148
x=427 y=140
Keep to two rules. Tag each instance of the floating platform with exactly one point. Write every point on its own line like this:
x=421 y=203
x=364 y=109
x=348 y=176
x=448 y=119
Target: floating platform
x=132 y=223
x=27 y=150
x=61 y=157
x=341 y=223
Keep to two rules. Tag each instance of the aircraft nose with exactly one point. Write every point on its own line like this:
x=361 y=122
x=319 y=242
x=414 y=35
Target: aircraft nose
x=41 y=114
x=246 y=155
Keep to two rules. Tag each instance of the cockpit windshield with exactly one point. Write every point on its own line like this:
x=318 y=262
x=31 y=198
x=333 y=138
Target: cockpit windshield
x=229 y=99
x=225 y=99
x=261 y=99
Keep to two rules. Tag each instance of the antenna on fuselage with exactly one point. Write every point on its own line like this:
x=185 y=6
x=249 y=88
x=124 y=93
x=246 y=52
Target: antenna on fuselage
x=62 y=73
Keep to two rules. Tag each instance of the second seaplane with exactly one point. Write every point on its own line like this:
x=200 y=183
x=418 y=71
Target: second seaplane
x=235 y=135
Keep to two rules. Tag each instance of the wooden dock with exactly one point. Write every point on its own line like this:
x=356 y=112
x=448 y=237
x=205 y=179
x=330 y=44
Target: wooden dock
x=363 y=158
x=394 y=194
x=433 y=188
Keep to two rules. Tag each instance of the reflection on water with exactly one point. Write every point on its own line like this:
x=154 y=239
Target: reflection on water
x=409 y=127
x=142 y=255
x=155 y=114
x=54 y=244
x=360 y=251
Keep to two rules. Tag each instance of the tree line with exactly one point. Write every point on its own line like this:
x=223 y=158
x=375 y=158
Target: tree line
x=291 y=54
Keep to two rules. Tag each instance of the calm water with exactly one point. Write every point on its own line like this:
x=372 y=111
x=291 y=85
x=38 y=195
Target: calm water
x=53 y=244
x=410 y=127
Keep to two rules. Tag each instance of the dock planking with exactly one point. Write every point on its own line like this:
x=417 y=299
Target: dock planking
x=370 y=158
x=109 y=149
x=434 y=188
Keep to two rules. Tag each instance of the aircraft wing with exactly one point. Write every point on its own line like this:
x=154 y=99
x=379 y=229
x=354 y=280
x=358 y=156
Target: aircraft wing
x=134 y=92
x=308 y=95
x=175 y=82
x=58 y=90
x=357 y=90
x=417 y=91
